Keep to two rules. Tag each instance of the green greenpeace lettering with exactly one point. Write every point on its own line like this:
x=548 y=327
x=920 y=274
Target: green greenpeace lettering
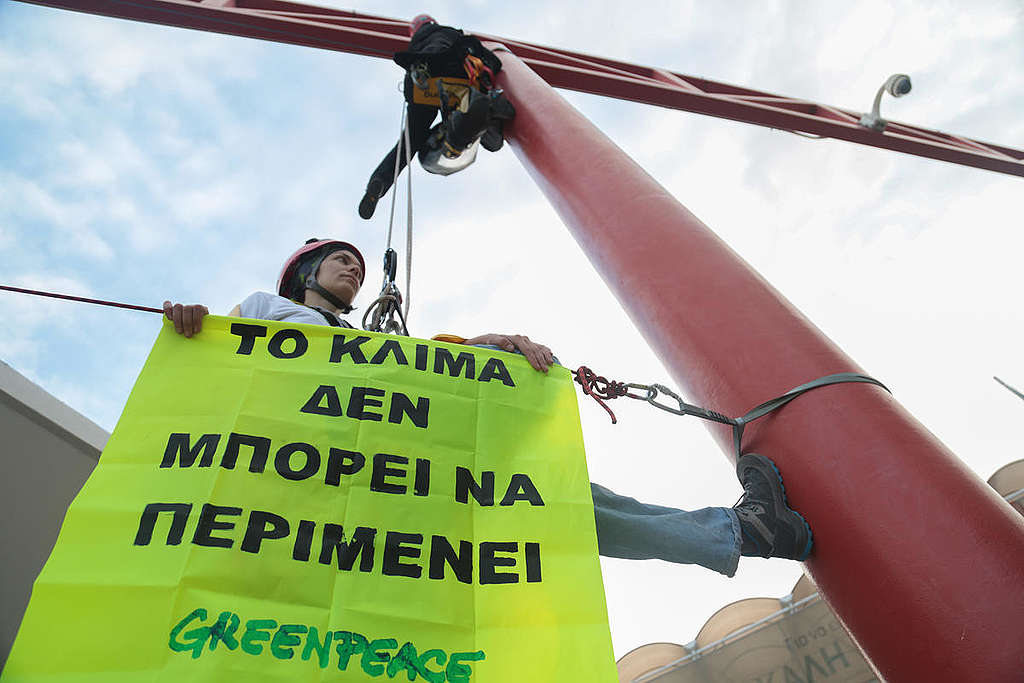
x=374 y=658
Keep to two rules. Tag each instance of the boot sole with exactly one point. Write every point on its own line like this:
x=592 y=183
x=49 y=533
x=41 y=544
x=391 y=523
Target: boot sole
x=782 y=510
x=367 y=206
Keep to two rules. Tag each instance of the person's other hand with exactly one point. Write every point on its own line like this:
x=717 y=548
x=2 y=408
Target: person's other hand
x=188 y=320
x=538 y=355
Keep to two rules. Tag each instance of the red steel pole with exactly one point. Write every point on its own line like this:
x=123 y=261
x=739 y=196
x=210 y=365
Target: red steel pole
x=922 y=561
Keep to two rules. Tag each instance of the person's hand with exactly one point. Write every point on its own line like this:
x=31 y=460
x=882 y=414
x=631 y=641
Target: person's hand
x=188 y=320
x=538 y=355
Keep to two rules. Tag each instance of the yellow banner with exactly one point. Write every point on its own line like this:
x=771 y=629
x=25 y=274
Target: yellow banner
x=305 y=503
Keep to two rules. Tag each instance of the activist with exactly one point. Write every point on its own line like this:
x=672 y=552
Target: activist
x=442 y=66
x=317 y=286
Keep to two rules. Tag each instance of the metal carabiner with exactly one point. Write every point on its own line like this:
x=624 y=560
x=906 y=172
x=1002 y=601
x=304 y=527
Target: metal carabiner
x=684 y=407
x=390 y=266
x=649 y=393
x=419 y=75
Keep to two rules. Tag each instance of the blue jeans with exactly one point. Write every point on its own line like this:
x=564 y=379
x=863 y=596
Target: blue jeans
x=629 y=529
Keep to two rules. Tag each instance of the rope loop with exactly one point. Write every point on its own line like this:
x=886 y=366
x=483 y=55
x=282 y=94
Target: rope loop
x=381 y=315
x=602 y=389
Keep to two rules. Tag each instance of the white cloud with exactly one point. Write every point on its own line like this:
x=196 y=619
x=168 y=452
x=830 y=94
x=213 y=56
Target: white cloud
x=80 y=166
x=160 y=162
x=24 y=200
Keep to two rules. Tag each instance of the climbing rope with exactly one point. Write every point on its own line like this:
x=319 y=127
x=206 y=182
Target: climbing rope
x=602 y=389
x=391 y=297
x=475 y=68
x=69 y=297
x=382 y=313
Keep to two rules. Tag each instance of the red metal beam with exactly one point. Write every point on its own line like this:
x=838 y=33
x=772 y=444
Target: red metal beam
x=921 y=560
x=364 y=34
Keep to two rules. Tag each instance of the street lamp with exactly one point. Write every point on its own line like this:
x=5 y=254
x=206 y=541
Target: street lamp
x=897 y=85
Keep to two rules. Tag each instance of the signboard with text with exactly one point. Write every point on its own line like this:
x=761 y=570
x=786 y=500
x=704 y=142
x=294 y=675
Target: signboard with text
x=300 y=503
x=805 y=645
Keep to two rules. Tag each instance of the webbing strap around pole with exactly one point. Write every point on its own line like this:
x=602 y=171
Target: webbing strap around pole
x=739 y=423
x=602 y=389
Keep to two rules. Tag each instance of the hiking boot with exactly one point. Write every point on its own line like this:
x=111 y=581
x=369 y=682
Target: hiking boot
x=493 y=138
x=501 y=108
x=374 y=189
x=769 y=527
x=462 y=129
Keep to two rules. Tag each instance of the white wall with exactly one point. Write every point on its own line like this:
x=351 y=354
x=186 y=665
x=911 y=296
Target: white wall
x=47 y=451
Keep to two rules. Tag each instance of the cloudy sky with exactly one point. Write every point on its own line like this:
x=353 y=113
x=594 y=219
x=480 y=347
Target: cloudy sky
x=139 y=163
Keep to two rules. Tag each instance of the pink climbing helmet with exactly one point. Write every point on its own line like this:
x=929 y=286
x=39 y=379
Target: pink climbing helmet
x=419 y=21
x=290 y=287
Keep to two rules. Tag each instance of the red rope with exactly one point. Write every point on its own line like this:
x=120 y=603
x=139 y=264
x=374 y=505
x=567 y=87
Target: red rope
x=83 y=299
x=600 y=388
x=475 y=67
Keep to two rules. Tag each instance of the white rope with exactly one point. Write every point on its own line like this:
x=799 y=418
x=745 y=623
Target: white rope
x=394 y=178
x=408 y=226
x=389 y=297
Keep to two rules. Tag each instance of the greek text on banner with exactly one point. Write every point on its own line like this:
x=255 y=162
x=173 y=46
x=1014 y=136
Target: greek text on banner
x=301 y=503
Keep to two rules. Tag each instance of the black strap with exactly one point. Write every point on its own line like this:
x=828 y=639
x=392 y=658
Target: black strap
x=332 y=319
x=311 y=283
x=739 y=423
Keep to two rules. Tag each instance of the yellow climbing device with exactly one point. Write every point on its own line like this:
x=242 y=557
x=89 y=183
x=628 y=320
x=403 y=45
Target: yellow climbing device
x=456 y=90
x=293 y=503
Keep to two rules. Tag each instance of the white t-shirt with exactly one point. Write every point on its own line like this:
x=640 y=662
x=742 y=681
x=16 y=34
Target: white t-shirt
x=265 y=306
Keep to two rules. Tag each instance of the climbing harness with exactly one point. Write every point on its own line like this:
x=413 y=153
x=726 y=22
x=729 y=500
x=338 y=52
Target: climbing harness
x=385 y=314
x=438 y=91
x=438 y=155
x=330 y=317
x=473 y=110
x=602 y=389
